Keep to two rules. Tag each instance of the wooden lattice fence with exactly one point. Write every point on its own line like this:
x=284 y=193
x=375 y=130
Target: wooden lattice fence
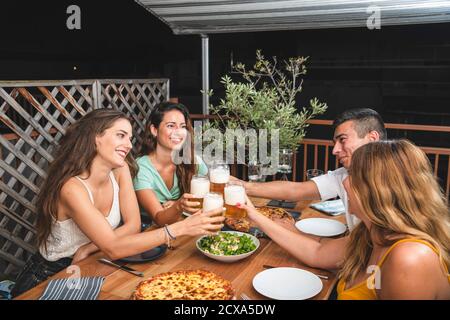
x=34 y=116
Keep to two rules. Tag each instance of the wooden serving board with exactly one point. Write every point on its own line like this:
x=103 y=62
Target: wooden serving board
x=285 y=218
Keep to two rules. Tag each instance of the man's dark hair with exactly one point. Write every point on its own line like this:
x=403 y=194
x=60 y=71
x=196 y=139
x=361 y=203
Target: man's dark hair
x=365 y=120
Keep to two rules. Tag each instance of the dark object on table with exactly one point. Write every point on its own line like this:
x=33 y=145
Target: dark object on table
x=295 y=214
x=281 y=204
x=149 y=255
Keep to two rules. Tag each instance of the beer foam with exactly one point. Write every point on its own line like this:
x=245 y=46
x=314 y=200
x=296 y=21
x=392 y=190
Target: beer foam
x=234 y=194
x=199 y=187
x=211 y=202
x=219 y=175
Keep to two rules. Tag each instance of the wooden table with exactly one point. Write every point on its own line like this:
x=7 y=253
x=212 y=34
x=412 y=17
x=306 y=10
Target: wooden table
x=119 y=284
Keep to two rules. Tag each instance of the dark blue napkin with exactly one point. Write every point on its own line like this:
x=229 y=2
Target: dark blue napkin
x=281 y=204
x=86 y=288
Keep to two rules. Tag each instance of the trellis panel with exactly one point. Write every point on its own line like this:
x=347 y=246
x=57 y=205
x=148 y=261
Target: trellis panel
x=33 y=117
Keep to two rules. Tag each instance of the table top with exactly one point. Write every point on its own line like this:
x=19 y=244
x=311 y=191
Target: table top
x=119 y=285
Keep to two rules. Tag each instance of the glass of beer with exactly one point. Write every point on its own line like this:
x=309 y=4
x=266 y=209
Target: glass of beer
x=199 y=187
x=212 y=201
x=234 y=193
x=312 y=173
x=254 y=171
x=219 y=175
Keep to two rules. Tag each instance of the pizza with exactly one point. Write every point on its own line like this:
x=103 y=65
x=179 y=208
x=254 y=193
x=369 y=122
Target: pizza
x=242 y=225
x=276 y=214
x=184 y=285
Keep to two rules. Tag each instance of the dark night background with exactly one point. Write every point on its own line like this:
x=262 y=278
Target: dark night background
x=403 y=71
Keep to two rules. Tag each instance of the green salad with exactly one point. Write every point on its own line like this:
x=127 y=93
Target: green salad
x=227 y=244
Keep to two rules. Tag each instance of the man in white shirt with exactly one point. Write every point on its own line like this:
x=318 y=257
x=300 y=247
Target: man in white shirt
x=352 y=129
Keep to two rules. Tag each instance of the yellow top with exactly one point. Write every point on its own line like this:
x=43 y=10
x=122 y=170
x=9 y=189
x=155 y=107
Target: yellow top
x=366 y=289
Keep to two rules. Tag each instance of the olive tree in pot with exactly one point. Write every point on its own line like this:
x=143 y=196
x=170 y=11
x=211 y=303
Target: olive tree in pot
x=265 y=101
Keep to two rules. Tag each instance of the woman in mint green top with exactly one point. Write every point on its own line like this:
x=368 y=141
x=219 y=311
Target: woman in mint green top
x=161 y=185
x=149 y=178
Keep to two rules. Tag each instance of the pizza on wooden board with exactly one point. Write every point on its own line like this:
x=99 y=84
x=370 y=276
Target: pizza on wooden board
x=242 y=225
x=275 y=214
x=184 y=285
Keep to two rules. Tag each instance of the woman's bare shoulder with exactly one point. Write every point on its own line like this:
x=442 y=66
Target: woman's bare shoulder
x=411 y=253
x=73 y=190
x=412 y=270
x=122 y=173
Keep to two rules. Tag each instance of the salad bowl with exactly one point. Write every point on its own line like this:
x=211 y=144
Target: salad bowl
x=228 y=246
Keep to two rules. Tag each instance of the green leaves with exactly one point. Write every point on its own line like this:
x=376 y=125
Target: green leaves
x=227 y=244
x=267 y=100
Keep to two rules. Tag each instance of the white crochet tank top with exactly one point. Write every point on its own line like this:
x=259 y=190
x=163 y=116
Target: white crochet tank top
x=66 y=238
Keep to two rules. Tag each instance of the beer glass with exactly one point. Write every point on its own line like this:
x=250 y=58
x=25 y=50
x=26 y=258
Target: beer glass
x=254 y=171
x=285 y=163
x=199 y=187
x=312 y=173
x=219 y=175
x=212 y=201
x=234 y=193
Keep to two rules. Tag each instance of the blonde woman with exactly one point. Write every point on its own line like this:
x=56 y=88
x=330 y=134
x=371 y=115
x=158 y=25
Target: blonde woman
x=401 y=248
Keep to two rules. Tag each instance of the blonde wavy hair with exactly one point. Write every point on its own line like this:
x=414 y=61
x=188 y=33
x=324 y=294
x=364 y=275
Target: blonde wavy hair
x=395 y=187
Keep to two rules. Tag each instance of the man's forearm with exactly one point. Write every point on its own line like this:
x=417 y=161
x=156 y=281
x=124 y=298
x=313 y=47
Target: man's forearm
x=283 y=190
x=280 y=190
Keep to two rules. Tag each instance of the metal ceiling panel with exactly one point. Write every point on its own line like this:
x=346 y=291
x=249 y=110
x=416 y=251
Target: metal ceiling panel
x=224 y=16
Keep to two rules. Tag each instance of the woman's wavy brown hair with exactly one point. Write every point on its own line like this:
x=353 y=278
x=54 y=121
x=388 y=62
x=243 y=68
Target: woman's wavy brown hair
x=393 y=183
x=73 y=156
x=184 y=171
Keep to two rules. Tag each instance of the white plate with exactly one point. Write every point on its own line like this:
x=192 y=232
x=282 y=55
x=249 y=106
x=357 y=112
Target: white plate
x=321 y=227
x=287 y=284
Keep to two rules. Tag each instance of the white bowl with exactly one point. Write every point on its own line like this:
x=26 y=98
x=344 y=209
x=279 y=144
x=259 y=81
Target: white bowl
x=231 y=258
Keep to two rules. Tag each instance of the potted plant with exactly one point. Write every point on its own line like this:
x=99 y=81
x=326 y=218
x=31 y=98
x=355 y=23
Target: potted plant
x=266 y=99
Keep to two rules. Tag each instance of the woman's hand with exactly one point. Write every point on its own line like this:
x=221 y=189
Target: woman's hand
x=252 y=213
x=185 y=205
x=262 y=221
x=203 y=223
x=83 y=252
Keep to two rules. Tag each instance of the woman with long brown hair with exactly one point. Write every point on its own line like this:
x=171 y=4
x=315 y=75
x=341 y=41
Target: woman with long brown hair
x=162 y=186
x=87 y=202
x=403 y=241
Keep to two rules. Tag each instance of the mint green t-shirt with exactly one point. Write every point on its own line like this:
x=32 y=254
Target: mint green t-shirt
x=149 y=178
